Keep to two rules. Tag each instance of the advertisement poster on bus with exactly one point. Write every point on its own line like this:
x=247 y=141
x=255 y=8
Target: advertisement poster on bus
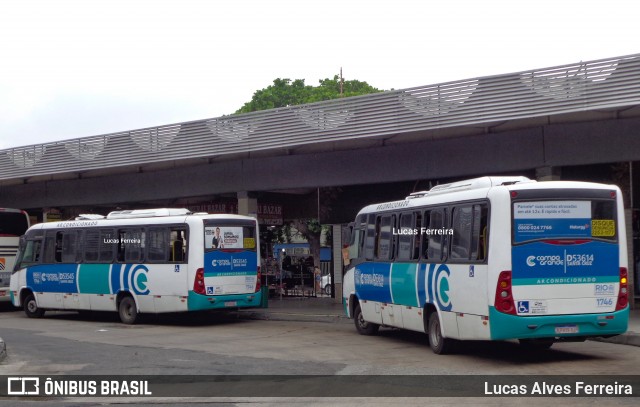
x=551 y=219
x=226 y=237
x=554 y=244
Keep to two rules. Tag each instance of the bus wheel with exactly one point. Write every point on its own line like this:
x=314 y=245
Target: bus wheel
x=536 y=344
x=128 y=310
x=31 y=307
x=439 y=344
x=364 y=327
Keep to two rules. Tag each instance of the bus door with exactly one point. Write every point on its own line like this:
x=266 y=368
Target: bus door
x=565 y=253
x=231 y=257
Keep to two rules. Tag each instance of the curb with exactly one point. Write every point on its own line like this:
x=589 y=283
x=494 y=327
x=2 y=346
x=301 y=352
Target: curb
x=3 y=350
x=630 y=338
x=292 y=316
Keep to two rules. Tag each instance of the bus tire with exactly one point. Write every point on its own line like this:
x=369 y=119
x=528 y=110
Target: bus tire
x=438 y=343
x=363 y=327
x=31 y=307
x=536 y=344
x=127 y=310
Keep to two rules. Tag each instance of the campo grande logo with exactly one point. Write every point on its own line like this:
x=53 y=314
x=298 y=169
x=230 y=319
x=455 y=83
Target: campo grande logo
x=531 y=261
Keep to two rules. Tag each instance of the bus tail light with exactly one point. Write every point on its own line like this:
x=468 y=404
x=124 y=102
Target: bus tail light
x=623 y=294
x=504 y=298
x=198 y=284
x=258 y=280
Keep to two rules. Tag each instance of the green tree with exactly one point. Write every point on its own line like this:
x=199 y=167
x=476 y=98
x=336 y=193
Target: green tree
x=285 y=92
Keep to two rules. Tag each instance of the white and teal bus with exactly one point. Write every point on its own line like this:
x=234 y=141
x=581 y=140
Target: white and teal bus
x=139 y=261
x=492 y=258
x=13 y=224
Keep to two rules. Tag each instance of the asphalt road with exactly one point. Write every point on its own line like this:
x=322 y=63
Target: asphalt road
x=205 y=344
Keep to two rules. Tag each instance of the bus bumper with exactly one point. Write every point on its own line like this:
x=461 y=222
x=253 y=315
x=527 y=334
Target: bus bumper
x=199 y=302
x=505 y=326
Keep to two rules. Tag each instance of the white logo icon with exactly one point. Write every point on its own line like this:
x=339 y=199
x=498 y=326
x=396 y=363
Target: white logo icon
x=23 y=386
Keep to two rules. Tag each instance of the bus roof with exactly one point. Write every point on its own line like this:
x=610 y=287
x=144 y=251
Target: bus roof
x=12 y=210
x=119 y=220
x=476 y=188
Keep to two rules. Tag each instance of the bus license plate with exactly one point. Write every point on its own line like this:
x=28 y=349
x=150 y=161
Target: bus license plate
x=567 y=329
x=231 y=304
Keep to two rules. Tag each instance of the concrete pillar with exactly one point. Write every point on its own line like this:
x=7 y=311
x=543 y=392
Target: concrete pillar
x=337 y=261
x=247 y=205
x=548 y=173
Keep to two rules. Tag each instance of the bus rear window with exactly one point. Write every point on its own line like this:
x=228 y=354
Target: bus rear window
x=564 y=219
x=233 y=237
x=13 y=223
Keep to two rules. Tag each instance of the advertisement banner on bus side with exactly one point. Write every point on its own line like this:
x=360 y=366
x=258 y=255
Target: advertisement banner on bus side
x=59 y=278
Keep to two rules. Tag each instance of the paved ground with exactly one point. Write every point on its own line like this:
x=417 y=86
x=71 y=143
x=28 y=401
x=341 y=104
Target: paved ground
x=324 y=309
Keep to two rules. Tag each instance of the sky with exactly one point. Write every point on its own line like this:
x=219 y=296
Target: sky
x=79 y=68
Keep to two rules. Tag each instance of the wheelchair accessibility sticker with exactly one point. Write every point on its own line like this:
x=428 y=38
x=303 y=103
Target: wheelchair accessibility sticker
x=523 y=307
x=532 y=307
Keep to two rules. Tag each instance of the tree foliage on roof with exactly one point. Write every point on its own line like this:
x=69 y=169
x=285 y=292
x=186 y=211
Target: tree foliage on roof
x=285 y=92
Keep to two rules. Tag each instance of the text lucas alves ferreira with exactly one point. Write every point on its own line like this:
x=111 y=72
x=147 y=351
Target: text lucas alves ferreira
x=546 y=389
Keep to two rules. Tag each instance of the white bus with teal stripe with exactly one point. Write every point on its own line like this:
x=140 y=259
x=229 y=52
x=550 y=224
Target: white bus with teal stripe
x=137 y=262
x=492 y=258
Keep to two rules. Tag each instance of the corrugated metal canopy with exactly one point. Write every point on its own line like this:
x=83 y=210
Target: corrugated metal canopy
x=582 y=87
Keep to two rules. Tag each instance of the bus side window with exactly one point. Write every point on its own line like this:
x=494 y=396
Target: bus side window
x=91 y=245
x=178 y=245
x=469 y=226
x=107 y=245
x=461 y=223
x=370 y=239
x=158 y=245
x=70 y=249
x=49 y=251
x=62 y=247
x=480 y=231
x=435 y=220
x=130 y=245
x=406 y=239
x=384 y=237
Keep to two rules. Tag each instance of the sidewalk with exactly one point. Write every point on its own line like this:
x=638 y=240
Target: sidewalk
x=305 y=309
x=324 y=309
